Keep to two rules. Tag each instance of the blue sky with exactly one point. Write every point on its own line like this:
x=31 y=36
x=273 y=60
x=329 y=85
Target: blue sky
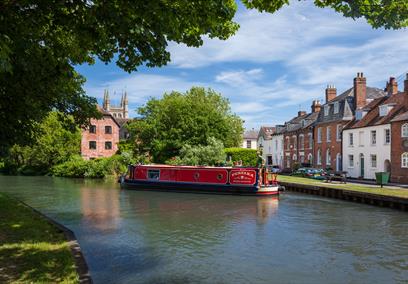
x=274 y=65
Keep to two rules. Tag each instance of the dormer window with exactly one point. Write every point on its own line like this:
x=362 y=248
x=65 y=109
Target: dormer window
x=336 y=107
x=360 y=114
x=383 y=110
x=326 y=110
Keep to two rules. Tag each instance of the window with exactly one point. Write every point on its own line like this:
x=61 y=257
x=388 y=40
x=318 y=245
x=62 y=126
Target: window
x=276 y=145
x=108 y=145
x=287 y=142
x=351 y=139
x=387 y=137
x=373 y=137
x=153 y=174
x=351 y=161
x=248 y=144
x=119 y=115
x=319 y=157
x=404 y=130
x=339 y=128
x=383 y=110
x=92 y=145
x=310 y=140
x=294 y=142
x=328 y=134
x=319 y=135
x=326 y=110
x=373 y=161
x=294 y=158
x=92 y=128
x=361 y=138
x=336 y=107
x=108 y=129
x=301 y=142
x=310 y=158
x=404 y=160
x=114 y=115
x=360 y=114
x=328 y=157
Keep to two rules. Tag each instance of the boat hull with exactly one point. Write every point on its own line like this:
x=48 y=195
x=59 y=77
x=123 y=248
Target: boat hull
x=198 y=188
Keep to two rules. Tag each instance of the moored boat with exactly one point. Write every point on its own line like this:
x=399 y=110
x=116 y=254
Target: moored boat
x=221 y=180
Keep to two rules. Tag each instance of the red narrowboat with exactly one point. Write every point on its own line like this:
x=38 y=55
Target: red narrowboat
x=222 y=180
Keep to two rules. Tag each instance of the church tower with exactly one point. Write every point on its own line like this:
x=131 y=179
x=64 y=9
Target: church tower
x=126 y=106
x=117 y=111
x=106 y=100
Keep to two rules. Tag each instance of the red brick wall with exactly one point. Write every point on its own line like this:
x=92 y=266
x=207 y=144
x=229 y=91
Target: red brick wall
x=398 y=174
x=100 y=137
x=295 y=147
x=334 y=145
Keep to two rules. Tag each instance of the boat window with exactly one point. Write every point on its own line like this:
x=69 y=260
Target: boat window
x=153 y=174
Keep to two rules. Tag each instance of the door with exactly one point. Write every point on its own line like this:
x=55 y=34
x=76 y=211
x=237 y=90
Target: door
x=338 y=162
x=362 y=165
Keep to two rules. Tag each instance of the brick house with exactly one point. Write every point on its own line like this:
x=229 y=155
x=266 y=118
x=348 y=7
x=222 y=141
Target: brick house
x=399 y=138
x=298 y=138
x=101 y=138
x=334 y=115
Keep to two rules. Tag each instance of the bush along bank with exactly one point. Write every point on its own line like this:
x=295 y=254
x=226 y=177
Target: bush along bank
x=247 y=156
x=77 y=167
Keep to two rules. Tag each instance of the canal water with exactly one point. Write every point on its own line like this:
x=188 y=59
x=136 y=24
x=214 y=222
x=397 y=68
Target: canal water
x=153 y=237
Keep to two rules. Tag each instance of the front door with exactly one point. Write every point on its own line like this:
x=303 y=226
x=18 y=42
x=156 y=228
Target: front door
x=362 y=165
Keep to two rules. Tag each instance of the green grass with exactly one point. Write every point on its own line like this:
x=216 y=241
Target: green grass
x=349 y=186
x=31 y=249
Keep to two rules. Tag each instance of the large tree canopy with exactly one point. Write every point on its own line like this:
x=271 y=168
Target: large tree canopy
x=177 y=119
x=41 y=41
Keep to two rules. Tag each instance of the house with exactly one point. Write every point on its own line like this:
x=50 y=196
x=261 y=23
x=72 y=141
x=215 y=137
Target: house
x=265 y=143
x=278 y=146
x=250 y=139
x=334 y=115
x=101 y=138
x=290 y=141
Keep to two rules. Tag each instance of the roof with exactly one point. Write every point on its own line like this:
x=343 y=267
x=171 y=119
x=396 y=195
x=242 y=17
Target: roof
x=373 y=118
x=400 y=117
x=106 y=113
x=266 y=132
x=251 y=134
x=301 y=122
x=122 y=121
x=346 y=105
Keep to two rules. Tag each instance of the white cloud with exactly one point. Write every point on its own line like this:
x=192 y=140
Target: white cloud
x=239 y=77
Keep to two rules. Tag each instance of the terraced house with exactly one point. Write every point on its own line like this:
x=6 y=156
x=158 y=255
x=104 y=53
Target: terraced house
x=336 y=114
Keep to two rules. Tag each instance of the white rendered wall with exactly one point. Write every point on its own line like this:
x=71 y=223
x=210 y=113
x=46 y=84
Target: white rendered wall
x=382 y=150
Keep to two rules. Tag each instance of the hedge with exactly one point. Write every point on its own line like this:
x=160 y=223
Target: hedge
x=247 y=156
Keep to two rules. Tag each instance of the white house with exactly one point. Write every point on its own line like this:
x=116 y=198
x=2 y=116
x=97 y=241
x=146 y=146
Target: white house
x=367 y=150
x=277 y=146
x=265 y=143
x=250 y=139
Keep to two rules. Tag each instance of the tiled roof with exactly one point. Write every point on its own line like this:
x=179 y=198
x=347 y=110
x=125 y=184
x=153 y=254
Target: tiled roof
x=346 y=105
x=251 y=134
x=122 y=121
x=373 y=118
x=266 y=132
x=400 y=117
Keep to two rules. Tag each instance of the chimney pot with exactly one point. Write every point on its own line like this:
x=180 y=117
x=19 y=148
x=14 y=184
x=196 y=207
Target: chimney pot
x=360 y=91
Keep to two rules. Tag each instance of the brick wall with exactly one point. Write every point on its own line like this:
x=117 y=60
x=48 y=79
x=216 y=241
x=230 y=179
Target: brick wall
x=334 y=145
x=398 y=146
x=100 y=137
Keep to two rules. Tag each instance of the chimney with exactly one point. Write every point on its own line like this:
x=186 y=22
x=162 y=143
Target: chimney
x=360 y=91
x=301 y=113
x=392 y=87
x=316 y=106
x=331 y=93
x=406 y=84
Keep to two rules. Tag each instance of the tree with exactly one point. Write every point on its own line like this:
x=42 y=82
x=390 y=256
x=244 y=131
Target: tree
x=209 y=155
x=390 y=14
x=53 y=145
x=177 y=119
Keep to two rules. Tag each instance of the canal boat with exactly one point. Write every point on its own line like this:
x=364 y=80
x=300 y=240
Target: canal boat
x=221 y=180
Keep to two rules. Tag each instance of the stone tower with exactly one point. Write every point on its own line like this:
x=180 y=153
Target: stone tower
x=121 y=111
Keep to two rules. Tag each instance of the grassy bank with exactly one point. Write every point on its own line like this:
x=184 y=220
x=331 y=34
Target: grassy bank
x=31 y=249
x=389 y=191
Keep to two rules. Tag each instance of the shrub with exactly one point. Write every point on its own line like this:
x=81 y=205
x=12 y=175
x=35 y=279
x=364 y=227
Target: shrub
x=247 y=156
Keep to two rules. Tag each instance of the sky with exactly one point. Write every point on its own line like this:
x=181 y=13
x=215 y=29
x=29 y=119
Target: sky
x=274 y=66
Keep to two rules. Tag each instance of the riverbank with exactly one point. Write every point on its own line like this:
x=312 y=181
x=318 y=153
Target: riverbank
x=31 y=249
x=388 y=196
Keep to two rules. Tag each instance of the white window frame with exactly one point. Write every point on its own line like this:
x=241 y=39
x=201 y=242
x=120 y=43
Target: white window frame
x=328 y=134
x=361 y=138
x=387 y=133
x=336 y=107
x=404 y=130
x=373 y=159
x=383 y=110
x=326 y=110
x=294 y=138
x=328 y=157
x=301 y=142
x=404 y=160
x=338 y=132
x=310 y=140
x=319 y=157
x=373 y=137
x=319 y=135
x=351 y=161
x=351 y=139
